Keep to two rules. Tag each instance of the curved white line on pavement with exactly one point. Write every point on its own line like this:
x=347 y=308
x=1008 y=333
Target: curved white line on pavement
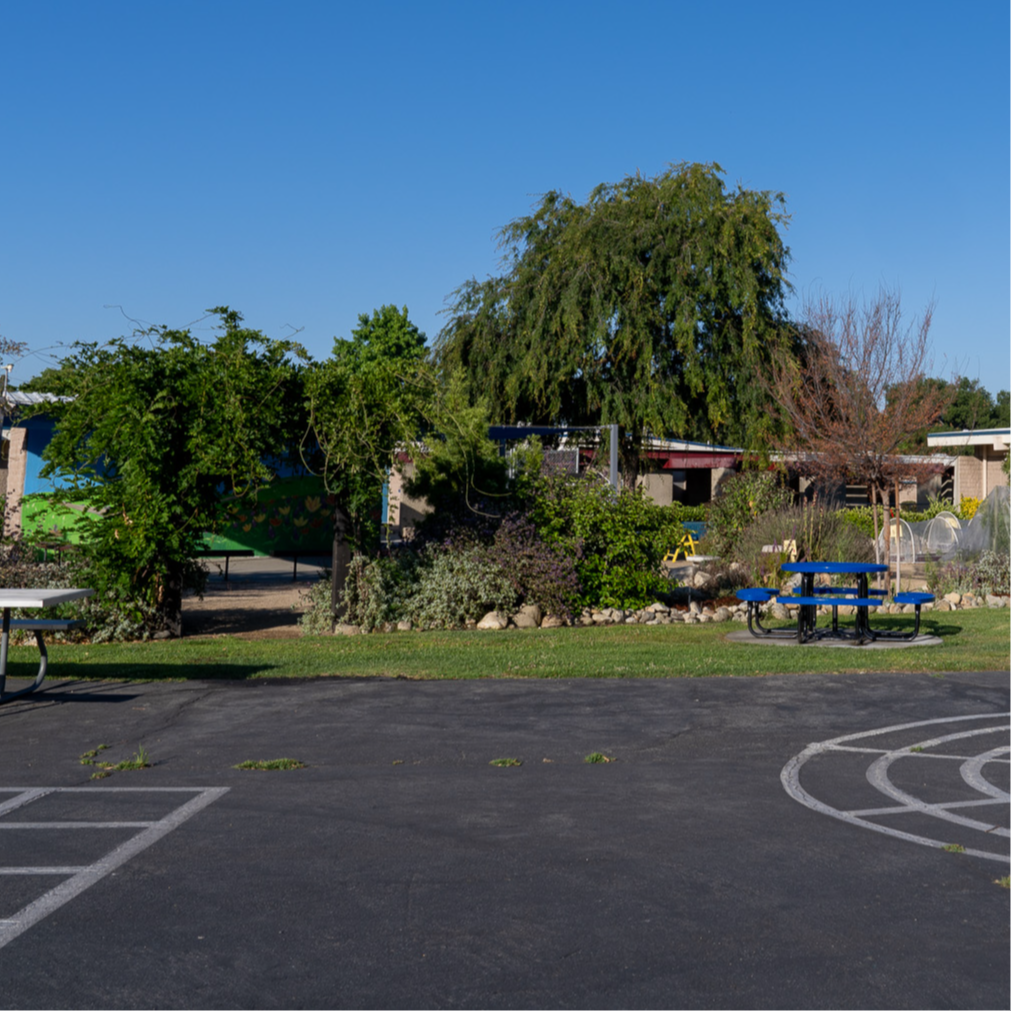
x=972 y=773
x=790 y=778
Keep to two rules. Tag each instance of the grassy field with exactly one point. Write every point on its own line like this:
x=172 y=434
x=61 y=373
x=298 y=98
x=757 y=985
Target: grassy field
x=973 y=640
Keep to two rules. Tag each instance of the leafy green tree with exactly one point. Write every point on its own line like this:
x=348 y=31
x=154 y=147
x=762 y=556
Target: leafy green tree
x=367 y=402
x=653 y=306
x=157 y=433
x=971 y=408
x=1002 y=410
x=460 y=475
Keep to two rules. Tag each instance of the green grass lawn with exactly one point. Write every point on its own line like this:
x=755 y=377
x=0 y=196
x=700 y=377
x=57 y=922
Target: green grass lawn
x=973 y=640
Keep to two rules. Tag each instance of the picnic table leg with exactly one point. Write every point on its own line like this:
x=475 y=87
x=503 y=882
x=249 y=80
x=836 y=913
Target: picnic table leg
x=863 y=613
x=6 y=696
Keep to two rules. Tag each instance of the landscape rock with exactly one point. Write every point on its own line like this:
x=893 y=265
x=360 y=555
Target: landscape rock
x=344 y=629
x=722 y=614
x=551 y=621
x=404 y=625
x=953 y=598
x=494 y=620
x=528 y=616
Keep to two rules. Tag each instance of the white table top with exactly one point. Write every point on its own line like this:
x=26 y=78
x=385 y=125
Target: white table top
x=40 y=598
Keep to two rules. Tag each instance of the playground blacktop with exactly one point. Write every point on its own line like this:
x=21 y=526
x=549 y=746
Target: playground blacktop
x=780 y=842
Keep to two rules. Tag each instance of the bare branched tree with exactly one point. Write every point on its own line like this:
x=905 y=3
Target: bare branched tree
x=857 y=393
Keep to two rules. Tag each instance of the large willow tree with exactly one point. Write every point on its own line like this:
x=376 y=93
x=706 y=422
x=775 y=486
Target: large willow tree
x=655 y=305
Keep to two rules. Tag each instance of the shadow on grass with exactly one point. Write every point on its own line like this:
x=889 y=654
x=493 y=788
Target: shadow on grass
x=903 y=623
x=19 y=675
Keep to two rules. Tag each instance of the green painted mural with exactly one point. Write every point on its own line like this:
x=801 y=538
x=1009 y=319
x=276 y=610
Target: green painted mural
x=290 y=514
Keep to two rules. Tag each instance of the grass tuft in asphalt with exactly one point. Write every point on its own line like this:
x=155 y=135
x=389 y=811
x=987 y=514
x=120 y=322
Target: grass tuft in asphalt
x=271 y=764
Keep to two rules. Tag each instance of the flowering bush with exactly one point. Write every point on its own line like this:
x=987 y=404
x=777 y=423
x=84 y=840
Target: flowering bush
x=967 y=507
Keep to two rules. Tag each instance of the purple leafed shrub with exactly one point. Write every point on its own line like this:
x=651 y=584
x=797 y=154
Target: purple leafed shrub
x=541 y=574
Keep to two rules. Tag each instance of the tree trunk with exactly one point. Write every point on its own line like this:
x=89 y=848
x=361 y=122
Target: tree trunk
x=170 y=601
x=340 y=563
x=629 y=457
x=898 y=547
x=874 y=513
x=888 y=541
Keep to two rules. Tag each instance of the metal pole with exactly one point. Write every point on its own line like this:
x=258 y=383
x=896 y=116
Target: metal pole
x=613 y=475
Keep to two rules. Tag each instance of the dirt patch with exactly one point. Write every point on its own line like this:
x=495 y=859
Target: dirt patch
x=266 y=609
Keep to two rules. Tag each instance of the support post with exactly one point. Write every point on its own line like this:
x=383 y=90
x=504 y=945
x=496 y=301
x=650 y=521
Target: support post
x=613 y=470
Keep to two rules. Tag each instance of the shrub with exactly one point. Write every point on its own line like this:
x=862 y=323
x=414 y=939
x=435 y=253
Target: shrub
x=110 y=615
x=818 y=534
x=990 y=572
x=456 y=585
x=740 y=500
x=993 y=572
x=617 y=539
x=954 y=576
x=540 y=573
x=967 y=507
x=376 y=589
x=316 y=617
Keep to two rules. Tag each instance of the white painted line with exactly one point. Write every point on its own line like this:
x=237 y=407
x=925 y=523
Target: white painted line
x=24 y=797
x=84 y=878
x=102 y=789
x=972 y=773
x=42 y=870
x=790 y=777
x=75 y=824
x=910 y=810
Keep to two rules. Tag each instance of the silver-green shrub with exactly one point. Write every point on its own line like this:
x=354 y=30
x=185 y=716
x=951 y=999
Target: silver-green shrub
x=456 y=585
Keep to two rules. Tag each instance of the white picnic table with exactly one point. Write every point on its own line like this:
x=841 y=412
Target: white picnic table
x=40 y=599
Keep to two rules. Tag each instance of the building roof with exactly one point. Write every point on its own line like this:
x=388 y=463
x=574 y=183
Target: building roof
x=15 y=398
x=997 y=438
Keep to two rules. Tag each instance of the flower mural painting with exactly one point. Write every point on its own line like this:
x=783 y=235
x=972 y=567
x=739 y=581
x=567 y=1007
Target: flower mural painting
x=294 y=515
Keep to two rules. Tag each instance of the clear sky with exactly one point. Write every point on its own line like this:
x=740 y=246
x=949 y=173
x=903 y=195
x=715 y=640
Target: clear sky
x=304 y=162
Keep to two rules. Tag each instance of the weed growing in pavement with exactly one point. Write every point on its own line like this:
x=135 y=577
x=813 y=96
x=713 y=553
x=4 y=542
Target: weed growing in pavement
x=1004 y=882
x=596 y=757
x=86 y=758
x=141 y=760
x=271 y=764
x=916 y=748
x=953 y=847
x=505 y=762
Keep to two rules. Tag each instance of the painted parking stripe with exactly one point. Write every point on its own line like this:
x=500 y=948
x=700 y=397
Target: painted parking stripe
x=82 y=878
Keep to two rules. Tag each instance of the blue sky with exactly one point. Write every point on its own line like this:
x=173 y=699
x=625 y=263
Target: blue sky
x=306 y=162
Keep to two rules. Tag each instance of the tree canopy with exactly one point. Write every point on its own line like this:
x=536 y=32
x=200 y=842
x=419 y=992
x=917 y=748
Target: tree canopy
x=366 y=401
x=859 y=393
x=161 y=427
x=653 y=305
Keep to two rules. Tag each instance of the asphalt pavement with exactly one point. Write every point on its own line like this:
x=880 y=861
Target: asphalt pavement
x=763 y=842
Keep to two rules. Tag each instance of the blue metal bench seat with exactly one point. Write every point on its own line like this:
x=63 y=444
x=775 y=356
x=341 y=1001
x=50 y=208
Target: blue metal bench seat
x=917 y=599
x=754 y=597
